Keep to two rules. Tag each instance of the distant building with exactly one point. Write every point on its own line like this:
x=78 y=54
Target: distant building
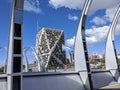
x=72 y=56
x=118 y=56
x=49 y=47
x=96 y=58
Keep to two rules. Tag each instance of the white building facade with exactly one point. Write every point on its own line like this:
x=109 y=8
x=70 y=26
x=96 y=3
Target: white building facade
x=49 y=47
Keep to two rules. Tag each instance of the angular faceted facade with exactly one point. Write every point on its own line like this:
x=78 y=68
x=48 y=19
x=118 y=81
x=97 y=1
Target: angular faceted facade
x=49 y=47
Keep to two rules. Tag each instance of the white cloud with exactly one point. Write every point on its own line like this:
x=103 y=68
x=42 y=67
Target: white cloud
x=99 y=34
x=117 y=31
x=32 y=6
x=107 y=17
x=70 y=42
x=71 y=4
x=103 y=4
x=78 y=4
x=71 y=17
x=95 y=35
x=109 y=13
x=64 y=47
x=98 y=21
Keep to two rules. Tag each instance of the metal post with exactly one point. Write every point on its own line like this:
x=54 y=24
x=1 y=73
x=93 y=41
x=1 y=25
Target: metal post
x=111 y=60
x=14 y=56
x=38 y=58
x=26 y=60
x=81 y=54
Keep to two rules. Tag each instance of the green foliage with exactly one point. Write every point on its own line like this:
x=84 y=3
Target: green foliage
x=1 y=69
x=119 y=61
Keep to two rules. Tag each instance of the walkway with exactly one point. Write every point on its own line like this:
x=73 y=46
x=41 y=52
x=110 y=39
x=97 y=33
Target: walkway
x=111 y=87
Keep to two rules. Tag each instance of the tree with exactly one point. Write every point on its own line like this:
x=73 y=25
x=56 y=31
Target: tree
x=119 y=61
x=1 y=69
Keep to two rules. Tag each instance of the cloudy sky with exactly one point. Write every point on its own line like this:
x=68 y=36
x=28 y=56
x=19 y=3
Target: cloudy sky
x=62 y=15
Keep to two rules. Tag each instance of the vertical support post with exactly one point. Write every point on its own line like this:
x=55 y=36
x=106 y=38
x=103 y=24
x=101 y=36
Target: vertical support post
x=14 y=56
x=80 y=53
x=39 y=59
x=111 y=60
x=26 y=61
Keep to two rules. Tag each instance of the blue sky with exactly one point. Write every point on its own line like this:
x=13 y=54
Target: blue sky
x=63 y=15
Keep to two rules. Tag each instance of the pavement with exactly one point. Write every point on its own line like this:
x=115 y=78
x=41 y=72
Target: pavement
x=111 y=87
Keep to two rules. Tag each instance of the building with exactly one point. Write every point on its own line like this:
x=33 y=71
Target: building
x=49 y=47
x=118 y=55
x=96 y=58
x=72 y=56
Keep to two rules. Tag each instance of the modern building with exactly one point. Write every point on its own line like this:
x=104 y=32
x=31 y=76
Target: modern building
x=49 y=47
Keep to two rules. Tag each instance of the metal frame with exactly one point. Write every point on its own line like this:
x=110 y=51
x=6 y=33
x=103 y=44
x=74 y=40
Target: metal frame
x=14 y=79
x=41 y=67
x=14 y=56
x=110 y=52
x=26 y=61
x=80 y=53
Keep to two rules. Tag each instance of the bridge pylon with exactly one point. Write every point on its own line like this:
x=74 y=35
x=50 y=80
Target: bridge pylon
x=14 y=56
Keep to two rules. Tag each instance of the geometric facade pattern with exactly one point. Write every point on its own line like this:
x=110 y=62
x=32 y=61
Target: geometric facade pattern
x=49 y=47
x=14 y=79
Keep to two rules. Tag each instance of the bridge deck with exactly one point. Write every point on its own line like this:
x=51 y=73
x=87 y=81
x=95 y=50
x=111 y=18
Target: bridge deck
x=114 y=86
x=102 y=80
